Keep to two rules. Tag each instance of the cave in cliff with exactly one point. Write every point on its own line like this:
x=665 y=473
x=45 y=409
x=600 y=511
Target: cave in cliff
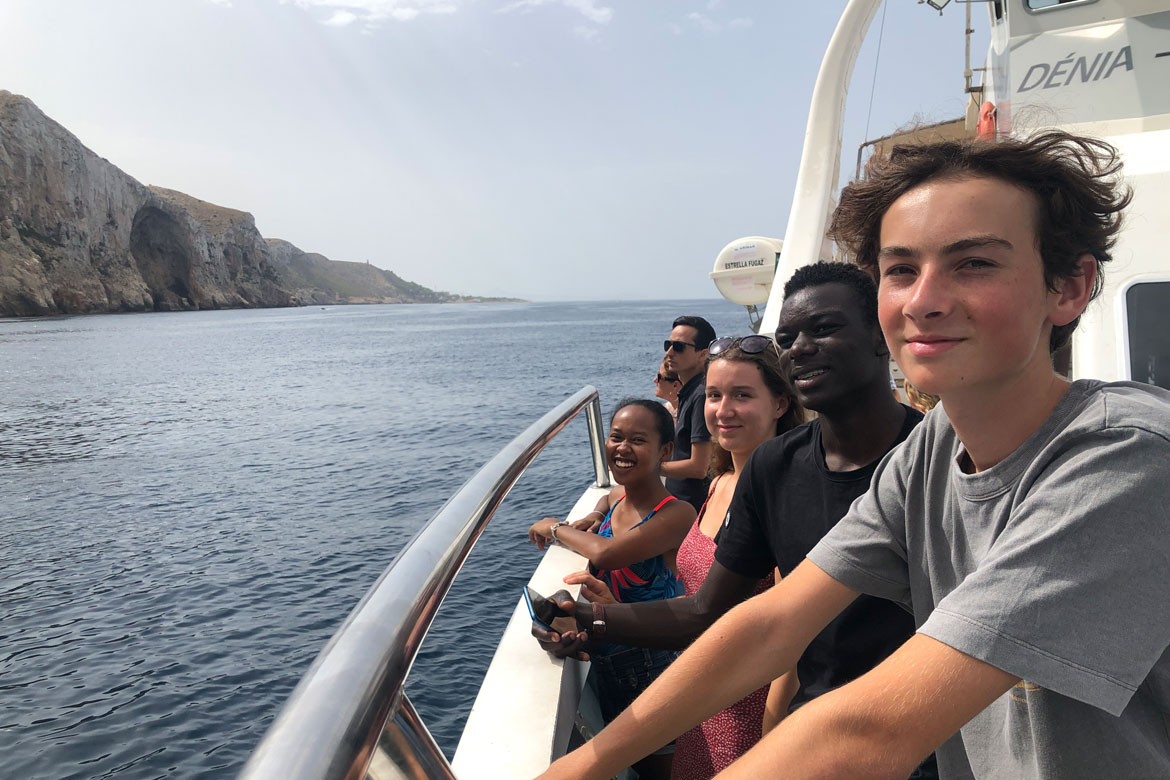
x=164 y=255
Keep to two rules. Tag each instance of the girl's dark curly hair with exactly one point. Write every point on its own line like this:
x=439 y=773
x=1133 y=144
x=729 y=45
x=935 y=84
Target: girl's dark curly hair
x=1075 y=181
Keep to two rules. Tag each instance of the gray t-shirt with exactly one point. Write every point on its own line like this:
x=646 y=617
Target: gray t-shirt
x=1053 y=565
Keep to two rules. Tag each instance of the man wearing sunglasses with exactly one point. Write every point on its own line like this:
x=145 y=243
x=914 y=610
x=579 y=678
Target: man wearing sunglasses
x=686 y=355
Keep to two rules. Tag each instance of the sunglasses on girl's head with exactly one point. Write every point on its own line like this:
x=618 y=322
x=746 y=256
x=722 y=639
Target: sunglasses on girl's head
x=679 y=346
x=750 y=345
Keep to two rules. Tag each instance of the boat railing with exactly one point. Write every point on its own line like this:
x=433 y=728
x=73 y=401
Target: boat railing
x=349 y=718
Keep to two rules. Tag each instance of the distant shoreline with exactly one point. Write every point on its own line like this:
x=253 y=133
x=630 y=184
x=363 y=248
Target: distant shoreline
x=63 y=315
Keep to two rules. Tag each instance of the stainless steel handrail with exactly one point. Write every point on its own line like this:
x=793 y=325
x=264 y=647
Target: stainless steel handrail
x=349 y=718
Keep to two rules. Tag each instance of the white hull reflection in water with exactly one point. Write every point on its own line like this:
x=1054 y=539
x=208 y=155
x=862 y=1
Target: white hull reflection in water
x=193 y=502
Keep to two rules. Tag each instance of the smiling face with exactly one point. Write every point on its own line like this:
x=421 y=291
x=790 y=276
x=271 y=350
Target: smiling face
x=740 y=410
x=962 y=297
x=633 y=450
x=827 y=349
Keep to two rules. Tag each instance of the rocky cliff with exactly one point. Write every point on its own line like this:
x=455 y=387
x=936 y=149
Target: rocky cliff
x=315 y=279
x=77 y=235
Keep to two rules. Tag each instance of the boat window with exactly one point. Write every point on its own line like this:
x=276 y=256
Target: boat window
x=1041 y=5
x=1147 y=307
x=997 y=9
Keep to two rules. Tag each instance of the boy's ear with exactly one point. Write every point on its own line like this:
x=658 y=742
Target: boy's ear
x=880 y=345
x=1073 y=292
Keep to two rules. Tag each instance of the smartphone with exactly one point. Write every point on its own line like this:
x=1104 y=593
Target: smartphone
x=540 y=609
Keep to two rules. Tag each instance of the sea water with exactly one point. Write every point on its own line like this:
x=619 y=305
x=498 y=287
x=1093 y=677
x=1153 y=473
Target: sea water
x=191 y=504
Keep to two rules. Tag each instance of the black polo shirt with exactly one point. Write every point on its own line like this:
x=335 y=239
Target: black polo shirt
x=690 y=427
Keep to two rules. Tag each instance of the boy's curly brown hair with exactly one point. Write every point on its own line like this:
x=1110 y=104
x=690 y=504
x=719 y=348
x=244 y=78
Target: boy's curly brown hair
x=1075 y=181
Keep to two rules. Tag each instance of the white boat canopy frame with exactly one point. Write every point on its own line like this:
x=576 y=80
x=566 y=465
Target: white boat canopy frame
x=820 y=160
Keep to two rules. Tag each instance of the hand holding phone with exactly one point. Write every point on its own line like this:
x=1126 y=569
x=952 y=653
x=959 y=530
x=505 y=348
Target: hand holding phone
x=541 y=609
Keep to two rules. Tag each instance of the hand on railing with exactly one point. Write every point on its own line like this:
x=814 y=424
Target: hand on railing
x=540 y=533
x=565 y=640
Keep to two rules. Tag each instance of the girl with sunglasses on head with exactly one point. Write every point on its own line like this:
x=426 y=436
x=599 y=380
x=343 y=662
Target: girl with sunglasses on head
x=666 y=386
x=631 y=540
x=748 y=401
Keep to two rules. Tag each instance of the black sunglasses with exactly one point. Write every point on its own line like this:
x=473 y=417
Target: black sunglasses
x=660 y=378
x=679 y=346
x=749 y=345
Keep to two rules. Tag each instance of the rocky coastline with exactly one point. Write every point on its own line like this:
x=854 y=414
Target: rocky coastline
x=80 y=236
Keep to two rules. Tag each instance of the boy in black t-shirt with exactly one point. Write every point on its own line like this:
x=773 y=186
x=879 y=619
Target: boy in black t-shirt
x=787 y=500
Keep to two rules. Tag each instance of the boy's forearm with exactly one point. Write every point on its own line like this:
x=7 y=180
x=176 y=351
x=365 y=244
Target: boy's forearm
x=824 y=739
x=884 y=723
x=861 y=731
x=671 y=624
x=687 y=693
x=751 y=645
x=668 y=624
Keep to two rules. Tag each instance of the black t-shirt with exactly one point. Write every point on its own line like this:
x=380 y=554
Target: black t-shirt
x=690 y=427
x=786 y=500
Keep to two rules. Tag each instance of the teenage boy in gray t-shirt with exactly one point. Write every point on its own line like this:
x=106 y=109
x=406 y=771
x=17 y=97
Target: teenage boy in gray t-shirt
x=1024 y=522
x=1056 y=567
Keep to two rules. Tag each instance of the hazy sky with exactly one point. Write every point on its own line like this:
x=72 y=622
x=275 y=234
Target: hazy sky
x=544 y=149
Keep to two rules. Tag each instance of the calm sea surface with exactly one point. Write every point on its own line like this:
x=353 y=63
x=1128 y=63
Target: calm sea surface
x=192 y=503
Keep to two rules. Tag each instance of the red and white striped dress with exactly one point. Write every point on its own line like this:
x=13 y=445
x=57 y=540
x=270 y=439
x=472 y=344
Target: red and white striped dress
x=710 y=747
